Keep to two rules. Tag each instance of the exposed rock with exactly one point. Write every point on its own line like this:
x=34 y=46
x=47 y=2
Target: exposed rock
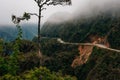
x=86 y=51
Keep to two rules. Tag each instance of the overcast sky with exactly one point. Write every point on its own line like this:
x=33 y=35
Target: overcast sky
x=18 y=7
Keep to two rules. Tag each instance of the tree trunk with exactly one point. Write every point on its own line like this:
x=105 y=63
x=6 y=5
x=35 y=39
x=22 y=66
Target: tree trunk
x=39 y=35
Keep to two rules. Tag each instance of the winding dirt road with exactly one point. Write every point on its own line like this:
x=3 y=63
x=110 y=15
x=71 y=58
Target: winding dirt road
x=88 y=44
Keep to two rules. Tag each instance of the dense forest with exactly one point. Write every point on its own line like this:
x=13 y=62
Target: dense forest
x=100 y=64
x=19 y=59
x=78 y=30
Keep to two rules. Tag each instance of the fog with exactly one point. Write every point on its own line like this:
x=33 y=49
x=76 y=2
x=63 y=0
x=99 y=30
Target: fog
x=18 y=7
x=88 y=8
x=92 y=7
x=78 y=8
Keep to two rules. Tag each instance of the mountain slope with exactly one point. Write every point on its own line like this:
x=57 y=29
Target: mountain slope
x=97 y=63
x=103 y=26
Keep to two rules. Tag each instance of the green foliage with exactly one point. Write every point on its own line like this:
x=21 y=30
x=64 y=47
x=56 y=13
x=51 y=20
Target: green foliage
x=19 y=36
x=1 y=47
x=114 y=38
x=26 y=16
x=107 y=68
x=82 y=71
x=28 y=61
x=60 y=56
x=19 y=56
x=16 y=20
x=78 y=30
x=50 y=47
x=23 y=63
x=27 y=46
x=39 y=73
x=10 y=77
x=11 y=63
x=44 y=74
x=9 y=66
x=3 y=67
x=12 y=66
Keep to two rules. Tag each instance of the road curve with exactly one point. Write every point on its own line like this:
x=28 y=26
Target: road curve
x=88 y=44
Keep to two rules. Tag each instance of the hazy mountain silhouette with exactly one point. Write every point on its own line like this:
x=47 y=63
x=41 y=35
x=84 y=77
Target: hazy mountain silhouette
x=9 y=33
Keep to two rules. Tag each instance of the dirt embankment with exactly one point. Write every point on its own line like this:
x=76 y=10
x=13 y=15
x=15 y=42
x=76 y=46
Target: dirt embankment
x=86 y=51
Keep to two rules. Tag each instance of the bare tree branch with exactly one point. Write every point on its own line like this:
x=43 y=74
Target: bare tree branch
x=43 y=9
x=34 y=14
x=62 y=2
x=46 y=1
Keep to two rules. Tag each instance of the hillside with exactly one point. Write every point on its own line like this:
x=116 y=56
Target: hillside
x=102 y=26
x=79 y=41
x=90 y=63
x=66 y=61
x=99 y=62
x=79 y=48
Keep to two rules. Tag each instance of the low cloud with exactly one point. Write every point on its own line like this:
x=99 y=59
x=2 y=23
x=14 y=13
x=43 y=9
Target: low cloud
x=89 y=7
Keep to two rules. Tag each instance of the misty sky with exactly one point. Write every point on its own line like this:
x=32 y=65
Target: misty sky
x=18 y=7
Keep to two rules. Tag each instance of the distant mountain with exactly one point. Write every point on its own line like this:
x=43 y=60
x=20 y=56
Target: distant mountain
x=53 y=22
x=87 y=29
x=9 y=33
